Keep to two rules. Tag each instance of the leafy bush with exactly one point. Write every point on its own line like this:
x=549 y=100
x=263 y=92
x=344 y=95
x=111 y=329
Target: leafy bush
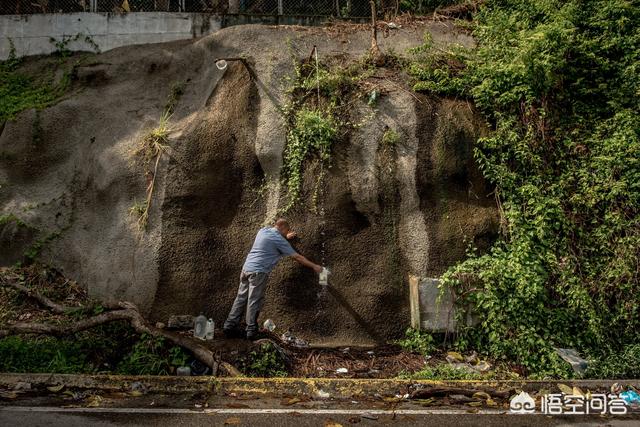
x=417 y=341
x=264 y=362
x=42 y=355
x=558 y=82
x=152 y=356
x=614 y=365
x=85 y=352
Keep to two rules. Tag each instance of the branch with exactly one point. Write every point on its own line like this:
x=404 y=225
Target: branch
x=375 y=50
x=44 y=301
x=62 y=330
x=126 y=311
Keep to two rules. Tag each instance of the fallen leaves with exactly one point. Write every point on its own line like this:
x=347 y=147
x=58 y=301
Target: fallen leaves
x=8 y=394
x=234 y=405
x=93 y=401
x=565 y=388
x=454 y=356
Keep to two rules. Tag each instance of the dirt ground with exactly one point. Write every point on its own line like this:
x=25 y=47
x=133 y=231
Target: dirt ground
x=72 y=177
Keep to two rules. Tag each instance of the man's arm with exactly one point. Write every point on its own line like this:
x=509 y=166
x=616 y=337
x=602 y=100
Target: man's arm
x=302 y=260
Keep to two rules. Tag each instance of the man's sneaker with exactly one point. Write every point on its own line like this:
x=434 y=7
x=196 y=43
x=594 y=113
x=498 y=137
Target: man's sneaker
x=252 y=336
x=233 y=333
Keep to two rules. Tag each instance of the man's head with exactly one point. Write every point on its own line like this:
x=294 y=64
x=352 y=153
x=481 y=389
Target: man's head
x=282 y=225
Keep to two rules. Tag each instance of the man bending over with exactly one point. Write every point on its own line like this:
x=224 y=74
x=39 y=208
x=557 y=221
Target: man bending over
x=269 y=246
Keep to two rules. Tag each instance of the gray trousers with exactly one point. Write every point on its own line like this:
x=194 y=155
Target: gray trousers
x=249 y=301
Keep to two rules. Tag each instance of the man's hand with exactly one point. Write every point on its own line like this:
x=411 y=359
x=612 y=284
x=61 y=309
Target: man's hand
x=291 y=235
x=302 y=260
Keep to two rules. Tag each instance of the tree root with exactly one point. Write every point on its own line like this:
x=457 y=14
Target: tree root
x=122 y=311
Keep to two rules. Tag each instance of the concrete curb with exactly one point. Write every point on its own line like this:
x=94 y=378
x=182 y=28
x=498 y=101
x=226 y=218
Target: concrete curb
x=316 y=387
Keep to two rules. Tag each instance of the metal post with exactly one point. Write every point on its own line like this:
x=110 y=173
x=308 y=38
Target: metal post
x=93 y=6
x=280 y=7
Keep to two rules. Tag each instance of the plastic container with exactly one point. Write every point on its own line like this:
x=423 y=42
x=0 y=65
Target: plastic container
x=183 y=371
x=323 y=278
x=208 y=333
x=269 y=325
x=200 y=327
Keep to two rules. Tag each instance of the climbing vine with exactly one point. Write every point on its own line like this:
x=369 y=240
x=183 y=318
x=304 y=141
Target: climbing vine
x=317 y=116
x=20 y=90
x=558 y=83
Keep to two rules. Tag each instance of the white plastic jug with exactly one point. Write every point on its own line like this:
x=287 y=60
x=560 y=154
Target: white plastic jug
x=200 y=327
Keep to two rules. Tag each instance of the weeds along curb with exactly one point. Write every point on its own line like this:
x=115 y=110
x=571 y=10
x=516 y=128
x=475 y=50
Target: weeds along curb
x=316 y=387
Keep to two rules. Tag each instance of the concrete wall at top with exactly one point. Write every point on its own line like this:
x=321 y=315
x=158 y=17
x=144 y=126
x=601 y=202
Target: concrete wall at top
x=31 y=34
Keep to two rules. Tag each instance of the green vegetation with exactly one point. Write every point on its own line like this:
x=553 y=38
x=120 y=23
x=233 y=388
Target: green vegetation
x=313 y=132
x=152 y=147
x=444 y=372
x=558 y=82
x=18 y=354
x=264 y=362
x=319 y=101
x=36 y=248
x=9 y=218
x=109 y=348
x=390 y=138
x=20 y=91
x=624 y=364
x=417 y=341
x=85 y=352
x=152 y=356
x=62 y=45
x=177 y=90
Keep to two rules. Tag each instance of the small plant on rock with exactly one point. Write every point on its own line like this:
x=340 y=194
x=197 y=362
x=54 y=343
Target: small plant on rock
x=313 y=132
x=390 y=138
x=151 y=149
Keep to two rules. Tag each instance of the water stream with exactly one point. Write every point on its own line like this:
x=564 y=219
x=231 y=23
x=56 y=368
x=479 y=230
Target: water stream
x=322 y=296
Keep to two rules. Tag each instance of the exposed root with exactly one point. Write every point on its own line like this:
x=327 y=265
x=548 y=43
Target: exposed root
x=122 y=311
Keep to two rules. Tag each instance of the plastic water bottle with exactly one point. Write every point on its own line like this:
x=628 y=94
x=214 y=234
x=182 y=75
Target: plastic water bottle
x=183 y=371
x=200 y=327
x=269 y=325
x=208 y=332
x=324 y=276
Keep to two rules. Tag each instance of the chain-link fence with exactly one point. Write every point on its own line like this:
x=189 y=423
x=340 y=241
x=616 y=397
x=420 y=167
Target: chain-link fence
x=336 y=8
x=118 y=6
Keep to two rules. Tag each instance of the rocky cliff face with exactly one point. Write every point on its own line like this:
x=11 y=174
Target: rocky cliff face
x=70 y=173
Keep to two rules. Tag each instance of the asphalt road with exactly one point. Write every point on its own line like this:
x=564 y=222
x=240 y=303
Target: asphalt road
x=22 y=416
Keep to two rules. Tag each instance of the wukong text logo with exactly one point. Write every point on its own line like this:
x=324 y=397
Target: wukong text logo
x=567 y=404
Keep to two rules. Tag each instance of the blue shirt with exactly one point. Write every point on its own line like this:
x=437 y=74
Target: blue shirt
x=267 y=250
